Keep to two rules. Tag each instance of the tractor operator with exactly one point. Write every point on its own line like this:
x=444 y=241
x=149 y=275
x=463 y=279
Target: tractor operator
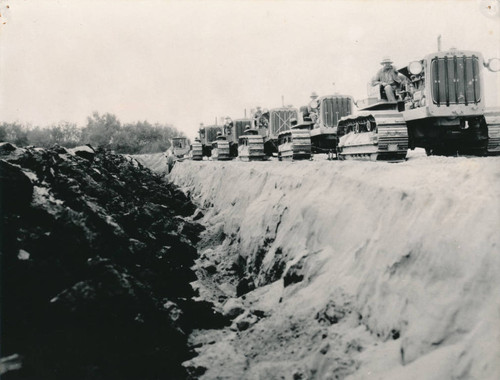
x=389 y=78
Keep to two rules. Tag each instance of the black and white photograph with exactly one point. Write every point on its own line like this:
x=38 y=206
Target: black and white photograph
x=250 y=189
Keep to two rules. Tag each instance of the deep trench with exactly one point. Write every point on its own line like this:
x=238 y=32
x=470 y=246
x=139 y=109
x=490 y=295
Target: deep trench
x=96 y=265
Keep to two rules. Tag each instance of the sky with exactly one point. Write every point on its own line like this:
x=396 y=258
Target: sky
x=191 y=62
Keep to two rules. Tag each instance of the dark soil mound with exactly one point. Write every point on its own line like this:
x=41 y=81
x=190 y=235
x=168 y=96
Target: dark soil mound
x=95 y=267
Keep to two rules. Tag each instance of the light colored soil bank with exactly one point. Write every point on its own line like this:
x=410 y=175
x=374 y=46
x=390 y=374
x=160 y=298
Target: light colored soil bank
x=361 y=270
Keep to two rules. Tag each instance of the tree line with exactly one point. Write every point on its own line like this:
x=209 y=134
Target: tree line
x=102 y=131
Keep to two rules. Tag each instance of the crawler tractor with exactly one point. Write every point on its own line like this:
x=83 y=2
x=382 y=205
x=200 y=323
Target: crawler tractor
x=441 y=109
x=323 y=115
x=377 y=132
x=445 y=108
x=233 y=130
x=271 y=123
x=207 y=136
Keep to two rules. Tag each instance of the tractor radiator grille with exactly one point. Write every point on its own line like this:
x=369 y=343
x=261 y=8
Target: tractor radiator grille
x=281 y=120
x=334 y=109
x=455 y=80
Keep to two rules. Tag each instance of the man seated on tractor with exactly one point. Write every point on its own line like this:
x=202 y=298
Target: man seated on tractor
x=389 y=79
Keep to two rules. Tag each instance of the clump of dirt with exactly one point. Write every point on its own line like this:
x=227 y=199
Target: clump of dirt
x=96 y=252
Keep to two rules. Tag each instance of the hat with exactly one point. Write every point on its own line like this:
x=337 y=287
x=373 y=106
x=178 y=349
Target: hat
x=385 y=60
x=314 y=95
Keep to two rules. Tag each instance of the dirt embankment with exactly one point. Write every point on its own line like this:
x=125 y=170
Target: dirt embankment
x=334 y=270
x=96 y=253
